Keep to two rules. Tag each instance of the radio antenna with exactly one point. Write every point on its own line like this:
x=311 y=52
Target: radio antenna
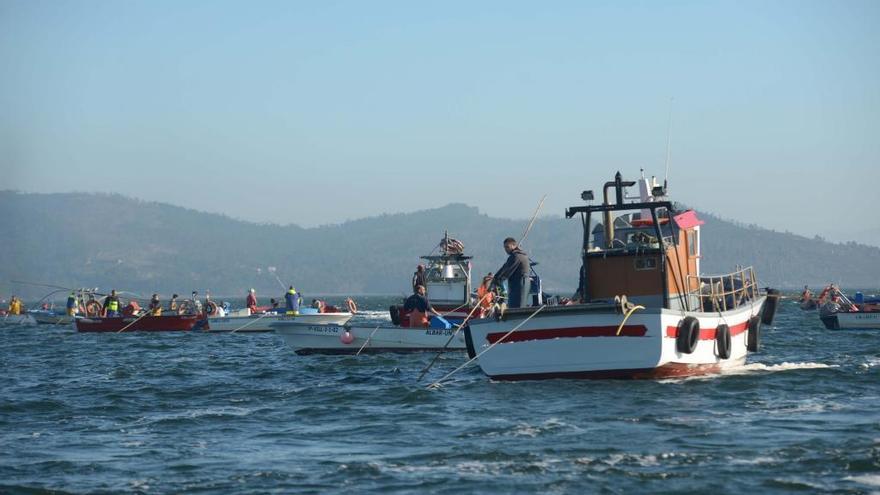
x=668 y=150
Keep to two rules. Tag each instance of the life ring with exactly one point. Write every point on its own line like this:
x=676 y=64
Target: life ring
x=688 y=335
x=722 y=339
x=352 y=307
x=211 y=308
x=93 y=308
x=753 y=342
x=394 y=311
x=346 y=337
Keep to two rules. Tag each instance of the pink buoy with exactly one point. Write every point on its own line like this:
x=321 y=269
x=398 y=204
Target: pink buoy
x=346 y=337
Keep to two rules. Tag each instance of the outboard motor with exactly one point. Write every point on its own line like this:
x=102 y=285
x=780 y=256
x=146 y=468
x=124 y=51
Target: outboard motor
x=768 y=312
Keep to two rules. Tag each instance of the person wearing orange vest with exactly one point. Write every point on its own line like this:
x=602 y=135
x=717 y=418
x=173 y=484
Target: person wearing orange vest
x=485 y=296
x=418 y=307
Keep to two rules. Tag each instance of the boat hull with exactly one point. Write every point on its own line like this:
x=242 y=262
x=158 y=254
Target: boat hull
x=49 y=318
x=24 y=319
x=169 y=323
x=568 y=343
x=256 y=323
x=328 y=339
x=855 y=321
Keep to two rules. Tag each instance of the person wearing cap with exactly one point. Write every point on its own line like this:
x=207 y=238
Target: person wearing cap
x=155 y=306
x=251 y=302
x=419 y=278
x=516 y=272
x=111 y=305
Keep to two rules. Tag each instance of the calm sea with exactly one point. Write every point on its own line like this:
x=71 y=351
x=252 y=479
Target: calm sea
x=240 y=413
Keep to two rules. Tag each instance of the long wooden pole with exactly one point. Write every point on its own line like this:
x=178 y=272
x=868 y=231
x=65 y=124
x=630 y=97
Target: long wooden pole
x=135 y=321
x=368 y=340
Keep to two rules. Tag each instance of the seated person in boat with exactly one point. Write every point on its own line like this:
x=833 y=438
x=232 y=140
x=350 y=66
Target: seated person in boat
x=112 y=305
x=418 y=307
x=155 y=306
x=172 y=304
x=131 y=309
x=516 y=272
x=251 y=302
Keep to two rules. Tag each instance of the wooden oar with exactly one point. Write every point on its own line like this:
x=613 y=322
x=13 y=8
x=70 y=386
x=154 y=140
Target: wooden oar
x=135 y=321
x=248 y=323
x=368 y=340
x=469 y=361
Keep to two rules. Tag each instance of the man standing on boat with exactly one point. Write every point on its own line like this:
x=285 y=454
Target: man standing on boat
x=292 y=301
x=516 y=272
x=111 y=305
x=251 y=302
x=419 y=278
x=71 y=304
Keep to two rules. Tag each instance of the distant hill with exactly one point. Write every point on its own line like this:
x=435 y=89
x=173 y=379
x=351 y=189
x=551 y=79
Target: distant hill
x=112 y=241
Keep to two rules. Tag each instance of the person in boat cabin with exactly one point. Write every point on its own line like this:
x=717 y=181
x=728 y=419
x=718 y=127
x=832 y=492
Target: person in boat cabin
x=71 y=304
x=485 y=295
x=292 y=300
x=419 y=277
x=418 y=306
x=112 y=305
x=251 y=301
x=318 y=304
x=14 y=306
x=516 y=271
x=172 y=304
x=155 y=306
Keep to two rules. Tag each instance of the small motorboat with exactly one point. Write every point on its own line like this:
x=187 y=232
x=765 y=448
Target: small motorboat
x=842 y=313
x=242 y=321
x=349 y=339
x=49 y=317
x=164 y=323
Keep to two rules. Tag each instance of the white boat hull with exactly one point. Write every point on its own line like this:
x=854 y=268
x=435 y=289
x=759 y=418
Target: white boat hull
x=859 y=320
x=568 y=344
x=24 y=319
x=255 y=323
x=328 y=339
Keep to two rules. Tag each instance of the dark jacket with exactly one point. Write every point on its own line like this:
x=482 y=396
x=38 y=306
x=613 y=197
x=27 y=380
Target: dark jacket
x=417 y=302
x=515 y=268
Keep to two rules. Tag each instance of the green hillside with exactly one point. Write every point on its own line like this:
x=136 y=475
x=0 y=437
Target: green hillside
x=113 y=241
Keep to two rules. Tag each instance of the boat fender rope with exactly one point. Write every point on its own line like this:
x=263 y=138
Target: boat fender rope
x=628 y=313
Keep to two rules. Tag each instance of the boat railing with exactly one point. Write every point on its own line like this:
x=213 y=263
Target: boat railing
x=724 y=292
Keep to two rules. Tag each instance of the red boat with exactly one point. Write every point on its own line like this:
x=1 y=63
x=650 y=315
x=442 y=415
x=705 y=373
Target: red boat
x=165 y=323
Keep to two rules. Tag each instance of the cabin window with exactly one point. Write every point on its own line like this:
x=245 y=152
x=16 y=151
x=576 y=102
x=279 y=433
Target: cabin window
x=692 y=243
x=645 y=263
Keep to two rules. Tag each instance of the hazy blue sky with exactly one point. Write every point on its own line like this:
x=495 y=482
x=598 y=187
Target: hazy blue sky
x=317 y=112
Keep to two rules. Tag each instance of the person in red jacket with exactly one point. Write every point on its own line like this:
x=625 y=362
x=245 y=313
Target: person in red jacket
x=252 y=301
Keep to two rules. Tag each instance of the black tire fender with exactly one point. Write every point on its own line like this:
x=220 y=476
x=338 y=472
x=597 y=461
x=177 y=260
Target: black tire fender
x=688 y=335
x=722 y=341
x=753 y=343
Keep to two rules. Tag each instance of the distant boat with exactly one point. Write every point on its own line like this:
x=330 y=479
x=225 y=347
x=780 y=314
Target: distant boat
x=842 y=313
x=646 y=311
x=240 y=321
x=169 y=323
x=22 y=319
x=448 y=284
x=48 y=317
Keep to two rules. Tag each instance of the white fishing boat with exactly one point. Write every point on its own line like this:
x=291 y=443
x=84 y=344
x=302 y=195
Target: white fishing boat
x=48 y=317
x=643 y=311
x=448 y=283
x=242 y=321
x=349 y=339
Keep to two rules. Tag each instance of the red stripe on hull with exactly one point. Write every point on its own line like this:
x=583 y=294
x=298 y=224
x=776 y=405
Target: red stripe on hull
x=671 y=370
x=557 y=333
x=709 y=333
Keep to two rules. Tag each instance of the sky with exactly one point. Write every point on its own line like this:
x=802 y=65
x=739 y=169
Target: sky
x=319 y=112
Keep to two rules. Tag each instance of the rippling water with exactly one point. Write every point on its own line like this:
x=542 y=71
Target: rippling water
x=241 y=413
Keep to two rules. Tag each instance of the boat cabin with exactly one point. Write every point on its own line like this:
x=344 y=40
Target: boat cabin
x=448 y=275
x=642 y=249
